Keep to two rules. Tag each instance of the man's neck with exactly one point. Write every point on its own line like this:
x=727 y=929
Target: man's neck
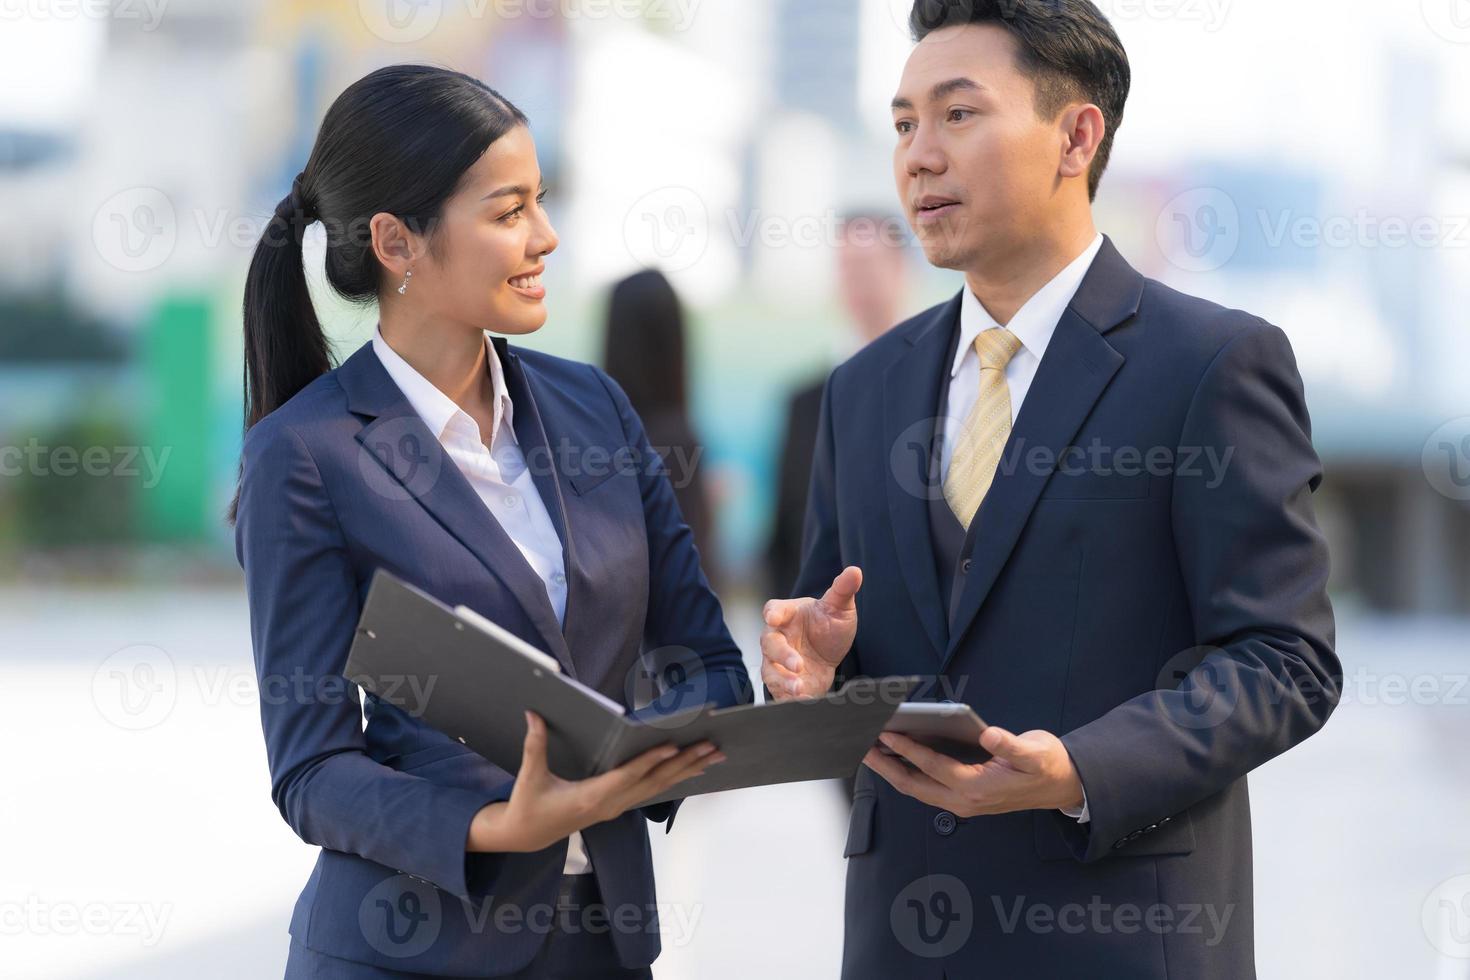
x=1004 y=286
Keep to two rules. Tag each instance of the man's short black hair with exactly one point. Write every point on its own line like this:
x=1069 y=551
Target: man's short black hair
x=1066 y=48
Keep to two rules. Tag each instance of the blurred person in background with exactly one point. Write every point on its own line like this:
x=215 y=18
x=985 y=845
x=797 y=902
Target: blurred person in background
x=644 y=351
x=872 y=283
x=426 y=454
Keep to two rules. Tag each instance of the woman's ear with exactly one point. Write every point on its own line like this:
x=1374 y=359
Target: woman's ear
x=392 y=243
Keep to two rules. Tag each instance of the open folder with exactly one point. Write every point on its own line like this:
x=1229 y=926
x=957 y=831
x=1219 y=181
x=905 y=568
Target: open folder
x=472 y=680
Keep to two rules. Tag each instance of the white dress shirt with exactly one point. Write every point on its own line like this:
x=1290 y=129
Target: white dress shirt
x=502 y=481
x=1033 y=325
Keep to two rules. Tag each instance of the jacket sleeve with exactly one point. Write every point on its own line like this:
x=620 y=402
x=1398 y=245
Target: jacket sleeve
x=821 y=543
x=1264 y=675
x=683 y=611
x=304 y=605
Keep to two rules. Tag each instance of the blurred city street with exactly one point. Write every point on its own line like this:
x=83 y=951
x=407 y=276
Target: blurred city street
x=116 y=809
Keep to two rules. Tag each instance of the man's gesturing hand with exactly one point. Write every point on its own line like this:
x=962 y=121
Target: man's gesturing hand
x=805 y=639
x=1031 y=771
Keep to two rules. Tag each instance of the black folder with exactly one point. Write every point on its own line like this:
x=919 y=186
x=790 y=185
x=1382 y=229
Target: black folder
x=472 y=680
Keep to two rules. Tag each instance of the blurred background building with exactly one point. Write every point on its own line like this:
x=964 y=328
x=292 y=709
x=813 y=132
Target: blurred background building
x=1308 y=162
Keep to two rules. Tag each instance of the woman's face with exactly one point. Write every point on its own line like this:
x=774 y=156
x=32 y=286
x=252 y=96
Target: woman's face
x=494 y=237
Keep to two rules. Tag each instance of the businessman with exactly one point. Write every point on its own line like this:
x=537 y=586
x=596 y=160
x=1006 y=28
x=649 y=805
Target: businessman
x=1079 y=501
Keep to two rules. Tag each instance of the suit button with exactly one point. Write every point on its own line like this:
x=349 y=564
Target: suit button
x=965 y=566
x=944 y=823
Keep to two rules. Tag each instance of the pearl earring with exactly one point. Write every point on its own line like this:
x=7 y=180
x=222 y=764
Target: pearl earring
x=404 y=287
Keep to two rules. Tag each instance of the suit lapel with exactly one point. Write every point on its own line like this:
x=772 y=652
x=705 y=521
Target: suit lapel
x=398 y=440
x=910 y=396
x=1076 y=369
x=538 y=433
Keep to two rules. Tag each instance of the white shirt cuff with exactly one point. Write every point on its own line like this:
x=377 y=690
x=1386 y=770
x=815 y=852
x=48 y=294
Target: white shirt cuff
x=1080 y=814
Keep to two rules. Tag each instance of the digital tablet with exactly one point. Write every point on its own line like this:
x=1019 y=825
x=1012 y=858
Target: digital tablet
x=944 y=726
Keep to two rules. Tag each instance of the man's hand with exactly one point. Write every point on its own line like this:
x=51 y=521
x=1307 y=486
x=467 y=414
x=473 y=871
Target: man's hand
x=1031 y=771
x=805 y=639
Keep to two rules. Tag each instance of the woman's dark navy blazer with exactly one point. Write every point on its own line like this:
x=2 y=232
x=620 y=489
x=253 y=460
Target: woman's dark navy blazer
x=344 y=479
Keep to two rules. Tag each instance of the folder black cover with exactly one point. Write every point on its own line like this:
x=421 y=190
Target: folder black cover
x=472 y=680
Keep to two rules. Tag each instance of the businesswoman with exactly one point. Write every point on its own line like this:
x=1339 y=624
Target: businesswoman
x=519 y=484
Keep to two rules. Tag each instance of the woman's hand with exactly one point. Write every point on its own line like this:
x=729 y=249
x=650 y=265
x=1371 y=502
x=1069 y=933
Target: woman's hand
x=544 y=808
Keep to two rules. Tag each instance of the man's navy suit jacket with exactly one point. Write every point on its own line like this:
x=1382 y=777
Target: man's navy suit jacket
x=1155 y=595
x=345 y=479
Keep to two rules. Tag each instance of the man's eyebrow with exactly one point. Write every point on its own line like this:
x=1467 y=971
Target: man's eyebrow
x=942 y=89
x=519 y=190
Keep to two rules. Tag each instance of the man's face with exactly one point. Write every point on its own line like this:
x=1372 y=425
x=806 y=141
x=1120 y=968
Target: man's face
x=976 y=168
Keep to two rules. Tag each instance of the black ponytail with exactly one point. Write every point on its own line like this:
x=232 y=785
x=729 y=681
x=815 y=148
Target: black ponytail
x=398 y=140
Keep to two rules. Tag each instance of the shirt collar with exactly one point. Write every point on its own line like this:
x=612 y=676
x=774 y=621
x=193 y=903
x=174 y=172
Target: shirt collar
x=437 y=409
x=1036 y=320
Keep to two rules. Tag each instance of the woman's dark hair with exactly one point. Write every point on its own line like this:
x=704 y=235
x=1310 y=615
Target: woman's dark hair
x=397 y=140
x=1066 y=48
x=644 y=344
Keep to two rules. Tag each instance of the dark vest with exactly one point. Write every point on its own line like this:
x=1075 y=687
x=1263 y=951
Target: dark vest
x=946 y=534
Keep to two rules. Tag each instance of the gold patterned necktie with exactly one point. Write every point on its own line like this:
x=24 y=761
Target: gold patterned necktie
x=978 y=447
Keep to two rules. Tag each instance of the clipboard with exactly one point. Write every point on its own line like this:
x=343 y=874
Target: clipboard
x=472 y=679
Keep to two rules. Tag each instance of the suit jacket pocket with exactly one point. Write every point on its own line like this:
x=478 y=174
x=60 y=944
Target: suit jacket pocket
x=1077 y=482
x=585 y=483
x=860 y=825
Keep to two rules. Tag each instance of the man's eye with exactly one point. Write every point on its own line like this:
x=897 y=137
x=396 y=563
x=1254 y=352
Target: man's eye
x=903 y=126
x=955 y=115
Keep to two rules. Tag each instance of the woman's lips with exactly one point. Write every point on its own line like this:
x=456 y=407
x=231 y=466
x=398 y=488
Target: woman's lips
x=528 y=286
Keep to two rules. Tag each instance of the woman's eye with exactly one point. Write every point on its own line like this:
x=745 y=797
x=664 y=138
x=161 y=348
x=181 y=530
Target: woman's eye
x=513 y=213
x=955 y=115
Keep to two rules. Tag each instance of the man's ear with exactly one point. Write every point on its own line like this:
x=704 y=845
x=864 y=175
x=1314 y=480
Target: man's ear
x=1082 y=129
